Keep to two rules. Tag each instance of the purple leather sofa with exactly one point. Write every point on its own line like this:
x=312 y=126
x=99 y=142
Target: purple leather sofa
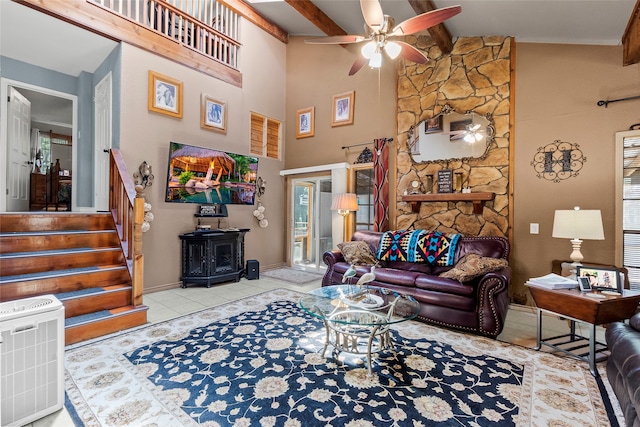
x=623 y=366
x=478 y=306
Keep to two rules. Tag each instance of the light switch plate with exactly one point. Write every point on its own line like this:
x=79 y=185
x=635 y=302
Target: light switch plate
x=534 y=228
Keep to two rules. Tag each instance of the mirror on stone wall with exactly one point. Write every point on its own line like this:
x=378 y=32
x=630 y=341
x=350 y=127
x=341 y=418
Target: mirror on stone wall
x=451 y=135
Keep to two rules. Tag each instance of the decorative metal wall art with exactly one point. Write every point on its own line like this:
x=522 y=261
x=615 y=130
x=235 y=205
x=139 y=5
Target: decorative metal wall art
x=365 y=157
x=558 y=161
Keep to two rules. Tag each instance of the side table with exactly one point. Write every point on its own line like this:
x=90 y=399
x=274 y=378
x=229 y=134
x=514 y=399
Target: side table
x=578 y=306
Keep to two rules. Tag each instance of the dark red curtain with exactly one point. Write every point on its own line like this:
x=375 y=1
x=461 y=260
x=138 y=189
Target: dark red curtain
x=381 y=185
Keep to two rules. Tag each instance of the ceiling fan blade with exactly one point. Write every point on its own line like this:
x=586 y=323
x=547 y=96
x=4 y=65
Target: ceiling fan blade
x=358 y=65
x=411 y=53
x=372 y=13
x=336 y=40
x=425 y=20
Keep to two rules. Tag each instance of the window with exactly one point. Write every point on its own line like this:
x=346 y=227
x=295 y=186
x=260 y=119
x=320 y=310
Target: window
x=628 y=226
x=265 y=136
x=363 y=178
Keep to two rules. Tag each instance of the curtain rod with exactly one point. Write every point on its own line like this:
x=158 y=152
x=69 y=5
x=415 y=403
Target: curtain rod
x=365 y=143
x=606 y=103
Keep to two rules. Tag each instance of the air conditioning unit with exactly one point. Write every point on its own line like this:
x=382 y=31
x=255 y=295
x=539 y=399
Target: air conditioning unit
x=31 y=359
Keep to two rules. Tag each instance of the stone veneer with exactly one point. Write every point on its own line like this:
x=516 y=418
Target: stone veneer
x=475 y=76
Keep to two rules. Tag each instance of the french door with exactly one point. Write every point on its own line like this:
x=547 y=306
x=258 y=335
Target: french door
x=311 y=214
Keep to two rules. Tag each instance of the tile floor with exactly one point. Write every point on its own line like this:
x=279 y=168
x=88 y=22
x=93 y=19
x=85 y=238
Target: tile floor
x=520 y=325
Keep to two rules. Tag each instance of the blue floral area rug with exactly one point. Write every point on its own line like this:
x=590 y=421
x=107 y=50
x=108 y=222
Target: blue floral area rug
x=257 y=362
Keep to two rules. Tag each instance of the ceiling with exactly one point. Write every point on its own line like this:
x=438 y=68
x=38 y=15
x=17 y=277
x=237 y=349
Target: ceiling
x=540 y=21
x=53 y=44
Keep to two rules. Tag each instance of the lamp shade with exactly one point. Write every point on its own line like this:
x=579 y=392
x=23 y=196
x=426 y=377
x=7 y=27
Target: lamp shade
x=345 y=202
x=578 y=224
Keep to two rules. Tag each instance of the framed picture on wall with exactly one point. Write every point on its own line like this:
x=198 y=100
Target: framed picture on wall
x=213 y=114
x=165 y=95
x=342 y=109
x=305 y=120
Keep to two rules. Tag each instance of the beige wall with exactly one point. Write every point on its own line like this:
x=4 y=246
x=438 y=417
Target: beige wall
x=145 y=136
x=317 y=72
x=557 y=88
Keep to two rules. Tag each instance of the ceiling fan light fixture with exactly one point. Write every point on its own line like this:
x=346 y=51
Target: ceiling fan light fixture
x=469 y=138
x=368 y=49
x=393 y=49
x=376 y=60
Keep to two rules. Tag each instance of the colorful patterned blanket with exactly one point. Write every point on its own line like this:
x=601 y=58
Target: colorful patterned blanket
x=431 y=247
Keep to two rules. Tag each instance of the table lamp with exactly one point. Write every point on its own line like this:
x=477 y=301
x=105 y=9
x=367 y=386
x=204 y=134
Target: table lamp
x=577 y=225
x=344 y=203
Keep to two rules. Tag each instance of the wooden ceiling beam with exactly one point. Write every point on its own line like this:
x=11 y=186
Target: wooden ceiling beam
x=439 y=33
x=631 y=38
x=317 y=17
x=251 y=15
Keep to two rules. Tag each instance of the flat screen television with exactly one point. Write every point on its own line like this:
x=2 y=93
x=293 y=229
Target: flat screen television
x=207 y=176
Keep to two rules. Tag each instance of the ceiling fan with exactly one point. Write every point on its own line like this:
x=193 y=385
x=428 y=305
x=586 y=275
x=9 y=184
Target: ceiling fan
x=383 y=34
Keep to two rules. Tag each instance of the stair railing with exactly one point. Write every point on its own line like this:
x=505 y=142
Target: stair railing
x=210 y=27
x=126 y=204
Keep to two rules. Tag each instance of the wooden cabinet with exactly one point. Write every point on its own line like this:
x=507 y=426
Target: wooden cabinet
x=38 y=192
x=212 y=257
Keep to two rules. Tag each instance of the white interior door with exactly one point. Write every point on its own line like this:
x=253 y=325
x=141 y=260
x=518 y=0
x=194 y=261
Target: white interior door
x=18 y=152
x=102 y=98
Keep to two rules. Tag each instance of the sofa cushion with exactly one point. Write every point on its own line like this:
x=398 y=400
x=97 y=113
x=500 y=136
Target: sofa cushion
x=357 y=253
x=420 y=246
x=472 y=266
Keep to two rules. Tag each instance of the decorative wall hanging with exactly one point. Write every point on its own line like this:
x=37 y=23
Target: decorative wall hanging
x=558 y=161
x=144 y=176
x=258 y=213
x=365 y=157
x=165 y=95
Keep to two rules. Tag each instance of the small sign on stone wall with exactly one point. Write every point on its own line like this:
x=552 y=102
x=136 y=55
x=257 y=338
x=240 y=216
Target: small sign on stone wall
x=445 y=181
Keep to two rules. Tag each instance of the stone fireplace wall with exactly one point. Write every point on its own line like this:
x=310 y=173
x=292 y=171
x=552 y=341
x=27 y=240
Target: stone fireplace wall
x=476 y=76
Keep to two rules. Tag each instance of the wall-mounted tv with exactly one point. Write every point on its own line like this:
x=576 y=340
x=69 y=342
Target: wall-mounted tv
x=207 y=176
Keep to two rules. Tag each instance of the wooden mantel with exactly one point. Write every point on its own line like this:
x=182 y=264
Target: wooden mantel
x=477 y=199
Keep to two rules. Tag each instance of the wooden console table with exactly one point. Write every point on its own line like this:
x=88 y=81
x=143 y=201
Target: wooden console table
x=477 y=199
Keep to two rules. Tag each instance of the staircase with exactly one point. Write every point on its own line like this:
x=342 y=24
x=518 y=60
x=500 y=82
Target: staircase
x=76 y=257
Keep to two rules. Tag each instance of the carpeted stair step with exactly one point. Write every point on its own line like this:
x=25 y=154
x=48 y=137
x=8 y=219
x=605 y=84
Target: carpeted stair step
x=34 y=262
x=80 y=328
x=11 y=242
x=59 y=221
x=89 y=300
x=25 y=285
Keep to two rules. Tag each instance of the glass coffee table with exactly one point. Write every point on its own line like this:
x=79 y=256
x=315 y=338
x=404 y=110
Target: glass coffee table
x=357 y=319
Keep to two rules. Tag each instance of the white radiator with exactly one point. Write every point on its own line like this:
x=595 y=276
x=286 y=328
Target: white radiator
x=31 y=359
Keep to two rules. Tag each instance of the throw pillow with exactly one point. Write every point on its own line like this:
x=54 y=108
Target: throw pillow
x=431 y=247
x=472 y=266
x=357 y=253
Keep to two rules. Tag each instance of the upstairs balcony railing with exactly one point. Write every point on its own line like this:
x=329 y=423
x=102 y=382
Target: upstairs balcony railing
x=206 y=26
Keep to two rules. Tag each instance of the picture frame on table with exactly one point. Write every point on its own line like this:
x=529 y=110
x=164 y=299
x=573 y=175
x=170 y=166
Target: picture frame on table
x=342 y=109
x=305 y=119
x=213 y=114
x=164 y=95
x=601 y=278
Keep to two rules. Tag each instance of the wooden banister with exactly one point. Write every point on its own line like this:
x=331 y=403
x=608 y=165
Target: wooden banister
x=126 y=204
